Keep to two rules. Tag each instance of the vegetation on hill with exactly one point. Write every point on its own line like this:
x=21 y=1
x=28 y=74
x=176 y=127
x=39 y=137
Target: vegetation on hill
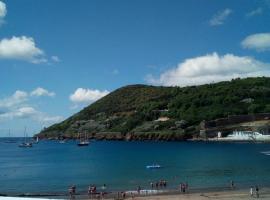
x=137 y=109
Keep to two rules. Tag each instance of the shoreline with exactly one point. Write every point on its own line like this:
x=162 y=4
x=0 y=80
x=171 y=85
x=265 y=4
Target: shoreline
x=193 y=193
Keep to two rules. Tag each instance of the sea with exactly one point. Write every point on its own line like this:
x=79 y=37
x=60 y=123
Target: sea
x=51 y=167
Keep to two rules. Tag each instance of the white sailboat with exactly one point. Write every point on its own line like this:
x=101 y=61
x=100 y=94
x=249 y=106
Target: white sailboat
x=83 y=141
x=25 y=144
x=37 y=139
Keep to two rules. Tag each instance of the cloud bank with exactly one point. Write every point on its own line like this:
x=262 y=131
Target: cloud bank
x=42 y=92
x=258 y=42
x=220 y=17
x=211 y=68
x=21 y=48
x=86 y=96
x=17 y=106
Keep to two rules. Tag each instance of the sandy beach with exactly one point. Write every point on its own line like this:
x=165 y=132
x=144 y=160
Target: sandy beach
x=221 y=195
x=208 y=195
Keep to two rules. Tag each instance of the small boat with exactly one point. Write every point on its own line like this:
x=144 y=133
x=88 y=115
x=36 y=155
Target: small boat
x=62 y=141
x=25 y=144
x=83 y=141
x=155 y=166
x=37 y=139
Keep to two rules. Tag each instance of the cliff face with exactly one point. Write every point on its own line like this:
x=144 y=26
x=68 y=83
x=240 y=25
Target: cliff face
x=164 y=113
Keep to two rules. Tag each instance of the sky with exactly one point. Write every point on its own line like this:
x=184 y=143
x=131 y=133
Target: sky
x=57 y=57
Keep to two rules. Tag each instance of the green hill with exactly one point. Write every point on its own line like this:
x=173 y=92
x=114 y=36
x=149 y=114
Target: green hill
x=150 y=112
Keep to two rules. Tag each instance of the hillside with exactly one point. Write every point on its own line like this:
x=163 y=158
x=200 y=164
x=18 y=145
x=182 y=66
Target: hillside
x=150 y=112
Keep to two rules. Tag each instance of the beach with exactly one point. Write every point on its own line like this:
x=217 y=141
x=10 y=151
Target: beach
x=221 y=195
x=236 y=194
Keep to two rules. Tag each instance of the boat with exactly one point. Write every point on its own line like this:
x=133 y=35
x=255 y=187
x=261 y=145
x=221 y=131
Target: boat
x=83 y=141
x=62 y=141
x=246 y=136
x=9 y=140
x=154 y=166
x=25 y=144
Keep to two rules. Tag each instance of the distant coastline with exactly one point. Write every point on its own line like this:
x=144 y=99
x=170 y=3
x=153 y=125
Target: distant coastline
x=143 y=112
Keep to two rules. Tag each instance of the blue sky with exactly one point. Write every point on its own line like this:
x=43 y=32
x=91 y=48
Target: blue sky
x=58 y=56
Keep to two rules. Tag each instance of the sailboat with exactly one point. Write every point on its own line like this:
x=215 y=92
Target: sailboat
x=25 y=144
x=9 y=140
x=83 y=141
x=37 y=140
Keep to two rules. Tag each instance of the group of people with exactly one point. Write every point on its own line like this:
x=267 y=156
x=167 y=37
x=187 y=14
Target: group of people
x=159 y=184
x=92 y=190
x=72 y=191
x=256 y=188
x=183 y=187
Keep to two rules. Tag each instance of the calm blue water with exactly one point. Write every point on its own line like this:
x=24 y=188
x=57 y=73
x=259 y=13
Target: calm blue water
x=52 y=167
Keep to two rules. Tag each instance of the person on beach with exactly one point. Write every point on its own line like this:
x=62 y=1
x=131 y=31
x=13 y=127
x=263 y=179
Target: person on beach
x=123 y=195
x=72 y=191
x=89 y=191
x=139 y=189
x=165 y=183
x=104 y=187
x=102 y=194
x=232 y=184
x=257 y=191
x=181 y=187
x=156 y=185
x=152 y=185
x=160 y=183
x=251 y=191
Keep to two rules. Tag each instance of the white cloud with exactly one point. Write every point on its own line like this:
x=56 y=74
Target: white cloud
x=17 y=107
x=16 y=99
x=55 y=59
x=220 y=17
x=259 y=42
x=211 y=68
x=30 y=113
x=257 y=11
x=3 y=12
x=42 y=92
x=3 y=9
x=82 y=95
x=22 y=112
x=21 y=48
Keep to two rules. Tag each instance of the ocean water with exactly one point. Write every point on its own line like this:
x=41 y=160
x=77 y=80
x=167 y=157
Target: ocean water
x=52 y=167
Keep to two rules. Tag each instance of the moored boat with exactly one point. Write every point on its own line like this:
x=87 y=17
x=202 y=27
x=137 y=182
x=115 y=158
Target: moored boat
x=83 y=141
x=25 y=144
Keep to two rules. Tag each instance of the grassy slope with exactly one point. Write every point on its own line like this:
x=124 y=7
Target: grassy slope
x=135 y=107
